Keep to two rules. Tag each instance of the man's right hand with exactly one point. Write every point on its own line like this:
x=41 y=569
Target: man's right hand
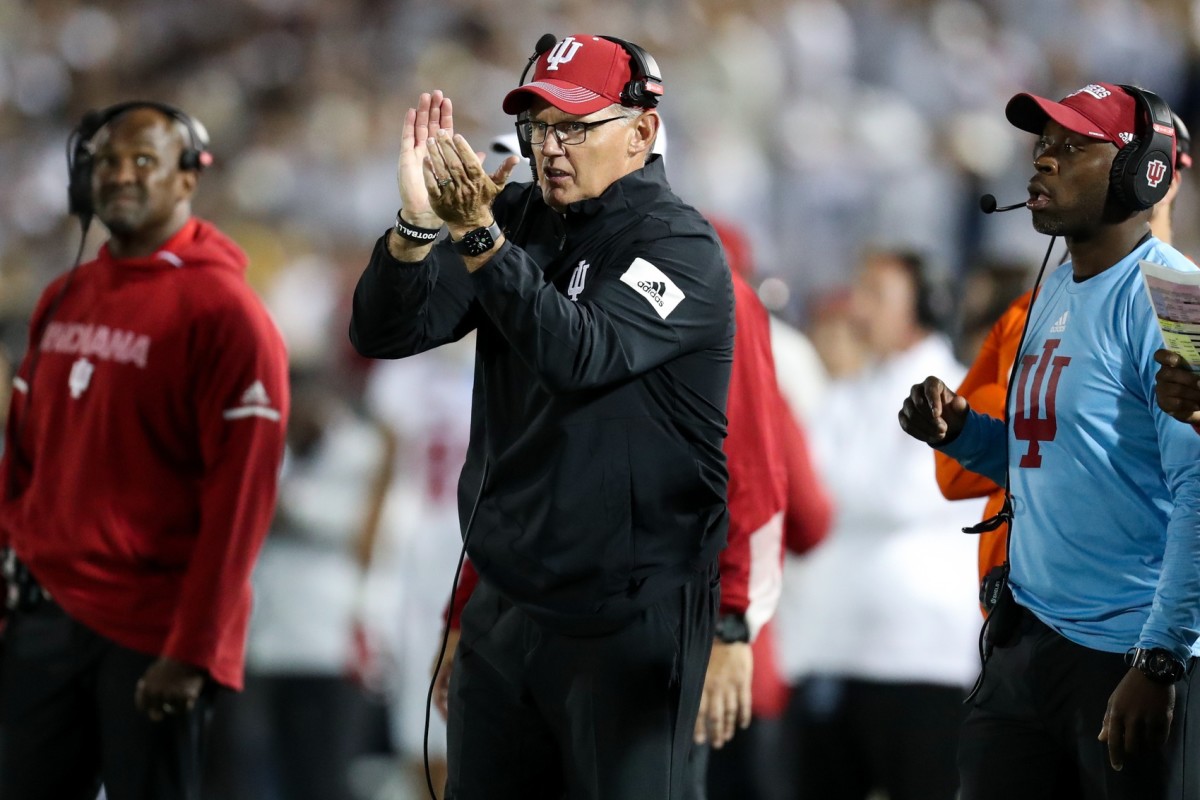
x=441 y=682
x=933 y=413
x=434 y=112
x=725 y=702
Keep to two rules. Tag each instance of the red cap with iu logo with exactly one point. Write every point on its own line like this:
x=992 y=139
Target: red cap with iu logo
x=581 y=74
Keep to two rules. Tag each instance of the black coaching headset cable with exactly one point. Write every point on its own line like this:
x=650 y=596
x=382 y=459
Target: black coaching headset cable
x=1005 y=514
x=437 y=669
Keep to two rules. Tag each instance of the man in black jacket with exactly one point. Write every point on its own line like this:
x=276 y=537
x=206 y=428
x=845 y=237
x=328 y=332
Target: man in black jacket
x=593 y=497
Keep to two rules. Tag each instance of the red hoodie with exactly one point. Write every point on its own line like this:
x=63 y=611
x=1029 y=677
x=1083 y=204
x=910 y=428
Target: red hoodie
x=145 y=437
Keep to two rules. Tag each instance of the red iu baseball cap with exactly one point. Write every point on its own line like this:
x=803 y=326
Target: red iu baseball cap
x=1099 y=110
x=581 y=74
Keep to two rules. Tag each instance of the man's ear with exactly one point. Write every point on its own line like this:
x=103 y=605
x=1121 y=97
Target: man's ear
x=645 y=131
x=1169 y=197
x=187 y=182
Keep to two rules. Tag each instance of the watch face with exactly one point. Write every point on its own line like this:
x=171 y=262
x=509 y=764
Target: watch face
x=478 y=242
x=731 y=629
x=1160 y=665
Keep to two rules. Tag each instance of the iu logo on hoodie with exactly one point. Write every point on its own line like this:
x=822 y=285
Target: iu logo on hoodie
x=80 y=377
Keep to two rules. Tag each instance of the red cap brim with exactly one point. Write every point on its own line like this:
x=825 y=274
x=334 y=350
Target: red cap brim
x=1029 y=113
x=564 y=96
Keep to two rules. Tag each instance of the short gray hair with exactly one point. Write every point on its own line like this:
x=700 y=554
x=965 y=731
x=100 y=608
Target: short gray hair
x=628 y=112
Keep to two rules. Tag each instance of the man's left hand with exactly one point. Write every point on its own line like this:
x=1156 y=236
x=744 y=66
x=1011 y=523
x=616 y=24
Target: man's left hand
x=1138 y=717
x=460 y=192
x=725 y=704
x=168 y=687
x=1177 y=387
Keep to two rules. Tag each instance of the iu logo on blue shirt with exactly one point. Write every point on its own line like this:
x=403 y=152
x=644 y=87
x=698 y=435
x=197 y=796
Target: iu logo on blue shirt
x=1036 y=422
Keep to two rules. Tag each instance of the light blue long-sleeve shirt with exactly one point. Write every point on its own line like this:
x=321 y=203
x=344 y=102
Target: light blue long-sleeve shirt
x=1105 y=542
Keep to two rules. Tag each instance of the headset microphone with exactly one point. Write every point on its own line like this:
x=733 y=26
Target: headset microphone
x=546 y=41
x=987 y=204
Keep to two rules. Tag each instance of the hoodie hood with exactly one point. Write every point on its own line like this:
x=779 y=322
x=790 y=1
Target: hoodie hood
x=197 y=244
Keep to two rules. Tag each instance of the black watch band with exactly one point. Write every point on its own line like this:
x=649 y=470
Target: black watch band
x=1156 y=663
x=732 y=628
x=478 y=241
x=413 y=233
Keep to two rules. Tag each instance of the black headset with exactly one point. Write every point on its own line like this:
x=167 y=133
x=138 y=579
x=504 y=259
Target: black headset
x=1183 y=143
x=544 y=43
x=195 y=157
x=644 y=89
x=1143 y=169
x=645 y=85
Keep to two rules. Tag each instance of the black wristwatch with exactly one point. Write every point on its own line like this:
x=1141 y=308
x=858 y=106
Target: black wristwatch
x=478 y=241
x=1156 y=663
x=732 y=628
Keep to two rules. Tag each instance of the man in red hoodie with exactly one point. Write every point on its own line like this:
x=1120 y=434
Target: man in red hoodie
x=143 y=442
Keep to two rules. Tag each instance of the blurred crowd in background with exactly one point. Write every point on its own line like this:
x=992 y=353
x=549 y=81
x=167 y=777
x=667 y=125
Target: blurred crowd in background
x=817 y=125
x=818 y=129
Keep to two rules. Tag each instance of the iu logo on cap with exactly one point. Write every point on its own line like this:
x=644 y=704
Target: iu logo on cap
x=563 y=52
x=1156 y=170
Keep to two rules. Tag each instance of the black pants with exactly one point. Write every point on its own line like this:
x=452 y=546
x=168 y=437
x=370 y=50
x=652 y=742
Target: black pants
x=853 y=737
x=287 y=736
x=1031 y=732
x=539 y=715
x=749 y=766
x=69 y=720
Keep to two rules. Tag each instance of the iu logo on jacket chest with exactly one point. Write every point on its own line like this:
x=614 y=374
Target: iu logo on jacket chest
x=578 y=281
x=1035 y=420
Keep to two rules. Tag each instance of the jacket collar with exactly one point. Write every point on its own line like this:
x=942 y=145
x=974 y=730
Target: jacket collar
x=630 y=191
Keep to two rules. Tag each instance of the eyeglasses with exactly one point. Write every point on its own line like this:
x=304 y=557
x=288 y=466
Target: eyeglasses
x=570 y=132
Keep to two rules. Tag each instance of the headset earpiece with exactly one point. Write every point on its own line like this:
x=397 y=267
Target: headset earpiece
x=1143 y=169
x=79 y=175
x=194 y=158
x=645 y=86
x=544 y=43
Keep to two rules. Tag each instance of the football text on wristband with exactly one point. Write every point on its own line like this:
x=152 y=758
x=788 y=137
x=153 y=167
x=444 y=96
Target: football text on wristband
x=413 y=233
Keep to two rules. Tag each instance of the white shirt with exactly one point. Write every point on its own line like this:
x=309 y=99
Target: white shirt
x=892 y=594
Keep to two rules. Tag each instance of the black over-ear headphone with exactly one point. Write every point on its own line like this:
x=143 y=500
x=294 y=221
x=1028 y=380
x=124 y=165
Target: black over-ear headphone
x=195 y=157
x=645 y=85
x=1143 y=169
x=1183 y=143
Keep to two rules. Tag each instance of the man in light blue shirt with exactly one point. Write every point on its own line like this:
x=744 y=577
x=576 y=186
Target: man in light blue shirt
x=1104 y=557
